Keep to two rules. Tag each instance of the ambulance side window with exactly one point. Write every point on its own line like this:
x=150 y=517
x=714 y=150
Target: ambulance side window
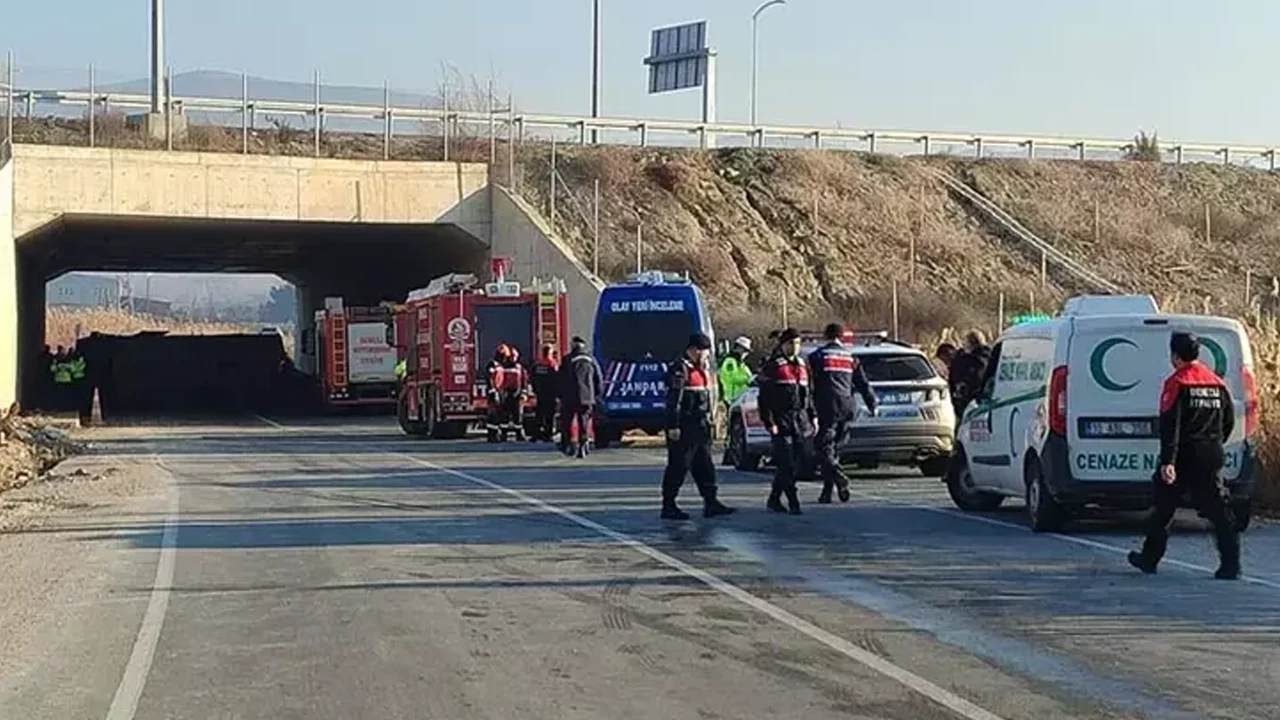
x=989 y=375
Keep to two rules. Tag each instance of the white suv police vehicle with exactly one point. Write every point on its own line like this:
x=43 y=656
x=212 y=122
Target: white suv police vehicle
x=913 y=425
x=1068 y=415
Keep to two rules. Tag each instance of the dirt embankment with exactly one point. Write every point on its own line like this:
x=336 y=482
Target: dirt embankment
x=833 y=231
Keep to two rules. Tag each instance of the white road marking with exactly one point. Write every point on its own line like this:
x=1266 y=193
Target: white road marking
x=125 y=703
x=1083 y=542
x=270 y=422
x=934 y=692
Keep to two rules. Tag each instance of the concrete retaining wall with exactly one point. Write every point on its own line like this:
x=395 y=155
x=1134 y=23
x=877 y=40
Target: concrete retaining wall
x=51 y=181
x=8 y=292
x=519 y=232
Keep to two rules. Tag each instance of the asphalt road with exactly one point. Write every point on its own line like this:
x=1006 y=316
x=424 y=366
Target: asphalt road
x=342 y=571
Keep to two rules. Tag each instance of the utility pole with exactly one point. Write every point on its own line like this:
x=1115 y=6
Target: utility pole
x=755 y=43
x=157 y=57
x=595 y=66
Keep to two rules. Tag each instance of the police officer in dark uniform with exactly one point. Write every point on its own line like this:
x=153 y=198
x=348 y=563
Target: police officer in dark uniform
x=688 y=430
x=785 y=408
x=836 y=374
x=1196 y=418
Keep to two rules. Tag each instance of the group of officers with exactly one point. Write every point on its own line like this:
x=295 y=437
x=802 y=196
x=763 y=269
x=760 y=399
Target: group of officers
x=65 y=381
x=799 y=398
x=568 y=389
x=813 y=397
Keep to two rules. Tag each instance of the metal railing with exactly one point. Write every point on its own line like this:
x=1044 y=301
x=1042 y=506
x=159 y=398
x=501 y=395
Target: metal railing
x=643 y=130
x=1048 y=252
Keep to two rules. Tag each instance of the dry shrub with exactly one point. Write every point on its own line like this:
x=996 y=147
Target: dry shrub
x=1266 y=351
x=64 y=325
x=667 y=174
x=707 y=267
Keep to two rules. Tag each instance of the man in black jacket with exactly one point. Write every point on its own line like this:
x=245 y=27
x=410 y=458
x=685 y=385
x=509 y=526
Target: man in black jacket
x=581 y=386
x=688 y=431
x=785 y=409
x=836 y=374
x=1196 y=418
x=967 y=369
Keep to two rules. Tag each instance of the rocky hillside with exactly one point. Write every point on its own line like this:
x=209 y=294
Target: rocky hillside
x=833 y=231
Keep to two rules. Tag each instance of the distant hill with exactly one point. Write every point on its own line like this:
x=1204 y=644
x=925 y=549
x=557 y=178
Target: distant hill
x=218 y=84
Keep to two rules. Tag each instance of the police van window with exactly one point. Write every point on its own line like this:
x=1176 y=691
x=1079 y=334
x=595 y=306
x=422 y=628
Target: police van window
x=890 y=367
x=645 y=336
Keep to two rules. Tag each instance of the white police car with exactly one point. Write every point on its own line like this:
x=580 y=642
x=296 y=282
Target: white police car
x=913 y=425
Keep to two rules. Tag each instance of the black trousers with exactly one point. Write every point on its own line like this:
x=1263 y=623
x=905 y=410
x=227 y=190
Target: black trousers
x=832 y=432
x=545 y=413
x=1199 y=473
x=788 y=455
x=575 y=413
x=509 y=408
x=690 y=455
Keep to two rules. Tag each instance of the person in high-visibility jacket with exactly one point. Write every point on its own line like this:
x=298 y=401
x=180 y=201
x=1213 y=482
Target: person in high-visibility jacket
x=734 y=374
x=507 y=387
x=402 y=369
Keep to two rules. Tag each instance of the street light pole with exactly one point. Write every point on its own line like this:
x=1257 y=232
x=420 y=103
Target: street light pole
x=157 y=57
x=755 y=42
x=595 y=65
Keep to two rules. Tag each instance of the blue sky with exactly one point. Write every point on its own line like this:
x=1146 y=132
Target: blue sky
x=1191 y=70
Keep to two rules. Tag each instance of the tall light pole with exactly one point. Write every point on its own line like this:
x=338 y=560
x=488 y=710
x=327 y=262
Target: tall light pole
x=595 y=64
x=157 y=57
x=755 y=42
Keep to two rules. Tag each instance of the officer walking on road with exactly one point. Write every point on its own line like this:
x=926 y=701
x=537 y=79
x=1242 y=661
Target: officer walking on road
x=581 y=385
x=1196 y=418
x=836 y=374
x=785 y=408
x=688 y=430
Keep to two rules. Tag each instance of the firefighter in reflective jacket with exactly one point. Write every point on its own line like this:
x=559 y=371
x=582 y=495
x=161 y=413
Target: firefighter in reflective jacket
x=506 y=394
x=1196 y=418
x=785 y=409
x=688 y=431
x=836 y=374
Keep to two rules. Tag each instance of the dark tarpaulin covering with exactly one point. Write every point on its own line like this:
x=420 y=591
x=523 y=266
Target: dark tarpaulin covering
x=159 y=374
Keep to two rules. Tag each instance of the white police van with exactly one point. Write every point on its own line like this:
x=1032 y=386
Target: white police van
x=1068 y=413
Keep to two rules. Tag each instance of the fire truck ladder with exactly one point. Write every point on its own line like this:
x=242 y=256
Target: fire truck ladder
x=338 y=360
x=548 y=320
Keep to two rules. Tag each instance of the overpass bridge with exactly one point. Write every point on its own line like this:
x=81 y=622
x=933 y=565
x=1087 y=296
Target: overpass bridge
x=365 y=230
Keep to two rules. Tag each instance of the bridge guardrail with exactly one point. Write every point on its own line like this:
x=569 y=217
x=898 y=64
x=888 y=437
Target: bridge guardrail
x=872 y=140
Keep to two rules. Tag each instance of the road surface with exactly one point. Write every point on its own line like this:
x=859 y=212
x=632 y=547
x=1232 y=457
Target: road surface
x=327 y=571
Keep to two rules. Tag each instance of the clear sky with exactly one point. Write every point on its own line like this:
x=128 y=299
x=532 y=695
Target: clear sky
x=1194 y=71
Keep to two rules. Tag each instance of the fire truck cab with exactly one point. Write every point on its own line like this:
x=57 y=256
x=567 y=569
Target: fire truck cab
x=451 y=329
x=355 y=362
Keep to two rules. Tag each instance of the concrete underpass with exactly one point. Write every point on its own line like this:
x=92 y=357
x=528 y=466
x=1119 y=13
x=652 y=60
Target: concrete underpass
x=366 y=231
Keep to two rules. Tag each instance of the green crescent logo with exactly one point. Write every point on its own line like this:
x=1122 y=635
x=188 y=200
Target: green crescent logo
x=1219 y=356
x=1098 y=359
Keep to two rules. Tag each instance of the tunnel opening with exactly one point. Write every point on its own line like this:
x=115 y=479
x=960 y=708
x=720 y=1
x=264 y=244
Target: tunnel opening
x=360 y=264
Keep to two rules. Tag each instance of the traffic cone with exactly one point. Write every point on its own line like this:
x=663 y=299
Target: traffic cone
x=95 y=412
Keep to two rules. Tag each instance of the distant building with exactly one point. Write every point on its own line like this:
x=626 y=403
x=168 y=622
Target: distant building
x=83 y=290
x=148 y=306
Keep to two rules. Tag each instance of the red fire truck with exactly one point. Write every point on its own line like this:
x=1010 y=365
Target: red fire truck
x=355 y=363
x=451 y=329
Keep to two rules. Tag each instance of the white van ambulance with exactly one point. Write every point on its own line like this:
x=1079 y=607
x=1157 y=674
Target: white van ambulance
x=1068 y=413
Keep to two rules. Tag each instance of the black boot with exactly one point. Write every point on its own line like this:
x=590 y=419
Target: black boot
x=793 y=502
x=774 y=503
x=1140 y=561
x=714 y=508
x=583 y=451
x=824 y=497
x=671 y=512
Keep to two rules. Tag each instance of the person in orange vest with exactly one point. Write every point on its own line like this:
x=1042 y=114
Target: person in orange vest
x=506 y=394
x=545 y=372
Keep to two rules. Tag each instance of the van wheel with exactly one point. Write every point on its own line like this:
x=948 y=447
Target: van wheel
x=1241 y=514
x=1045 y=514
x=964 y=494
